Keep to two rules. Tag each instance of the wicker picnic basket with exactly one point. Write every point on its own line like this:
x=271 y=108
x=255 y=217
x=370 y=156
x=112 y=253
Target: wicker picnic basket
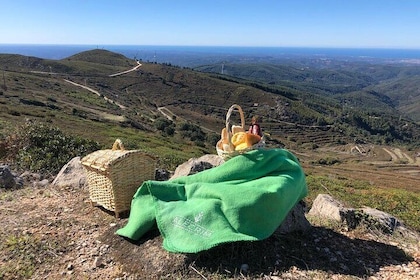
x=230 y=130
x=114 y=175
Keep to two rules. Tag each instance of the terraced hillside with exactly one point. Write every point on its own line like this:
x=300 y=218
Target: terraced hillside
x=305 y=134
x=90 y=91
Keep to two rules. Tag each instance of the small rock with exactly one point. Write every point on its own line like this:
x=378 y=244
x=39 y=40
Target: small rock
x=244 y=268
x=42 y=183
x=97 y=262
x=7 y=180
x=195 y=165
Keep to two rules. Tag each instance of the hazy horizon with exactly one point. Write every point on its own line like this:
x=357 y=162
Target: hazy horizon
x=198 y=55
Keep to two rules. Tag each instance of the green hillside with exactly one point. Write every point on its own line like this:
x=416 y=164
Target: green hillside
x=395 y=86
x=150 y=106
x=405 y=93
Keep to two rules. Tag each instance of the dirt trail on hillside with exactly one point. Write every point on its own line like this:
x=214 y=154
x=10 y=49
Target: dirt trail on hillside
x=96 y=92
x=127 y=71
x=397 y=155
x=393 y=156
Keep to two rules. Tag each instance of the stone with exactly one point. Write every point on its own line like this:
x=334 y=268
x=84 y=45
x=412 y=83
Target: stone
x=195 y=165
x=42 y=183
x=295 y=220
x=97 y=262
x=326 y=206
x=374 y=218
x=162 y=174
x=72 y=174
x=30 y=179
x=7 y=179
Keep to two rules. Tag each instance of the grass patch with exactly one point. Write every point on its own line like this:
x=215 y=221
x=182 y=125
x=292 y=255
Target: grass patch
x=22 y=253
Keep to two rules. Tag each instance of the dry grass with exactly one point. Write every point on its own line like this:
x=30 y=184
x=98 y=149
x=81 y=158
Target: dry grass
x=56 y=233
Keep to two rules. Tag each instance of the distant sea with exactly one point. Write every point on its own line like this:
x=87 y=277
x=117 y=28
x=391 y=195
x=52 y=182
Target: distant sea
x=186 y=55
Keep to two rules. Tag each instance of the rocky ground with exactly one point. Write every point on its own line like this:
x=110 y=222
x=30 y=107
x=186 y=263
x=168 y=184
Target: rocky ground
x=50 y=232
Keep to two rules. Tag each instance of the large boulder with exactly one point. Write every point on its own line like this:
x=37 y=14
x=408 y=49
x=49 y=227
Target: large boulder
x=71 y=175
x=326 y=207
x=375 y=218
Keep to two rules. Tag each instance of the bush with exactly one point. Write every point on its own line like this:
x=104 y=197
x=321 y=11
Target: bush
x=42 y=148
x=328 y=161
x=166 y=126
x=192 y=131
x=213 y=138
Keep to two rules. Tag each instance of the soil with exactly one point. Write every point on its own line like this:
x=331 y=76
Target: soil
x=55 y=233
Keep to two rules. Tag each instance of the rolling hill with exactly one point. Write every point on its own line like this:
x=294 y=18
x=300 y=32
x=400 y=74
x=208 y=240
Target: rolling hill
x=80 y=95
x=350 y=82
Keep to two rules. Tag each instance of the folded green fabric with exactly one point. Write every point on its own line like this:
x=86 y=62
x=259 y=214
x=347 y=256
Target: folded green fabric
x=244 y=199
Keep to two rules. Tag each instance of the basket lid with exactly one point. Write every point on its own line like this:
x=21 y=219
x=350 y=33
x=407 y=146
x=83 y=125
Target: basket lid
x=102 y=159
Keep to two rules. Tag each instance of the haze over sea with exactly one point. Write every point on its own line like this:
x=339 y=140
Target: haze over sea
x=186 y=55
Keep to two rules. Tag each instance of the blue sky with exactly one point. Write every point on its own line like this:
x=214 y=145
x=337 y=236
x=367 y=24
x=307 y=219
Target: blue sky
x=291 y=23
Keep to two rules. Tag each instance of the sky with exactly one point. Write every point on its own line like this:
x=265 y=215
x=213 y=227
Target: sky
x=273 y=23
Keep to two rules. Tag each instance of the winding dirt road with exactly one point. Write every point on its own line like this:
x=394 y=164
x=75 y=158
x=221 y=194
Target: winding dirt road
x=96 y=92
x=127 y=71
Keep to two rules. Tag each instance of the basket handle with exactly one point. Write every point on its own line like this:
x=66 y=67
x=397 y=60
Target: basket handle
x=118 y=145
x=228 y=115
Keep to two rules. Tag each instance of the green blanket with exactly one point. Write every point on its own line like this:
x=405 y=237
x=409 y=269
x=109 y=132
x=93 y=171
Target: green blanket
x=244 y=199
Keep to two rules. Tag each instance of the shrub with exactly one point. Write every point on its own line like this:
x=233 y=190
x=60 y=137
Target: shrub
x=213 y=138
x=328 y=161
x=42 y=148
x=166 y=126
x=192 y=131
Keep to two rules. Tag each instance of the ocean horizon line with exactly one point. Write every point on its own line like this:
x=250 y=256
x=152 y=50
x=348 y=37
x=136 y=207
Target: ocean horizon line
x=166 y=53
x=212 y=46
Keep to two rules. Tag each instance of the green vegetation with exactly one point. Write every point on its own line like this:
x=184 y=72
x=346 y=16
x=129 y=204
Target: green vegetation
x=166 y=126
x=22 y=266
x=42 y=148
x=358 y=85
x=193 y=132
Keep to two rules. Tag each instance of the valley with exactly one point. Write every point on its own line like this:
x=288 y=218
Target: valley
x=101 y=87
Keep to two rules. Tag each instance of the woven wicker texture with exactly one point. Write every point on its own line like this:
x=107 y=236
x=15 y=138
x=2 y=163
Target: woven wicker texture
x=114 y=175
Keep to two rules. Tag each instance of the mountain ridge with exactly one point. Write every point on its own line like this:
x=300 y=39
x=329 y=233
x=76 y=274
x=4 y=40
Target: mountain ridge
x=336 y=79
